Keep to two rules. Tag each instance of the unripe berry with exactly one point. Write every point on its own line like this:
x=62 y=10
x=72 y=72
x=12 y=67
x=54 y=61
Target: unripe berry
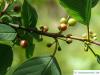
x=23 y=43
x=49 y=44
x=62 y=27
x=94 y=34
x=68 y=40
x=59 y=48
x=63 y=20
x=17 y=8
x=44 y=28
x=95 y=38
x=72 y=22
x=85 y=49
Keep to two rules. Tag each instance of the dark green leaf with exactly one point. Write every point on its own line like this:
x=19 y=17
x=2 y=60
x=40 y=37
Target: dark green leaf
x=78 y=9
x=98 y=58
x=35 y=66
x=6 y=32
x=29 y=15
x=11 y=6
x=6 y=57
x=94 y=2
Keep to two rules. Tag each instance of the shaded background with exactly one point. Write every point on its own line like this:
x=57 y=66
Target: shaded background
x=72 y=57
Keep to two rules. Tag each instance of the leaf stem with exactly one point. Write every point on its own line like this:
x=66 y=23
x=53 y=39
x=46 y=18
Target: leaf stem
x=91 y=50
x=52 y=56
x=88 y=32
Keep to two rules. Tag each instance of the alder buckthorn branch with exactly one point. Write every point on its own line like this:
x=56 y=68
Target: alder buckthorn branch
x=54 y=35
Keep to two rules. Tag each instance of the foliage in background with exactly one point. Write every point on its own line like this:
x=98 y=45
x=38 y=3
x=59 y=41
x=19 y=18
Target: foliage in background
x=19 y=22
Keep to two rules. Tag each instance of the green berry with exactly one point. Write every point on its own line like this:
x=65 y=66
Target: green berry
x=85 y=49
x=49 y=44
x=44 y=28
x=94 y=34
x=17 y=8
x=72 y=22
x=59 y=48
x=68 y=40
x=63 y=20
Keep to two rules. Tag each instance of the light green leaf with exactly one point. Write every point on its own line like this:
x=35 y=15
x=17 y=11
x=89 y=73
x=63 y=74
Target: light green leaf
x=29 y=15
x=78 y=9
x=7 y=32
x=6 y=57
x=36 y=66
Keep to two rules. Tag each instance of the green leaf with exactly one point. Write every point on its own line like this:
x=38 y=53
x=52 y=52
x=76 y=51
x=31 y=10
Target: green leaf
x=35 y=66
x=94 y=2
x=6 y=57
x=11 y=6
x=29 y=15
x=30 y=49
x=78 y=9
x=98 y=58
x=7 y=32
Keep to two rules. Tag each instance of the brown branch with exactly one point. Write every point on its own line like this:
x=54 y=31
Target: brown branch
x=55 y=35
x=96 y=42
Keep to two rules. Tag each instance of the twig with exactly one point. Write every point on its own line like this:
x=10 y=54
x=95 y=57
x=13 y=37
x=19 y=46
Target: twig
x=53 y=35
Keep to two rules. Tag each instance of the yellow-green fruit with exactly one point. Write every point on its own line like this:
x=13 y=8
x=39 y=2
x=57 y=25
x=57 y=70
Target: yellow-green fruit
x=72 y=22
x=94 y=34
x=94 y=38
x=63 y=20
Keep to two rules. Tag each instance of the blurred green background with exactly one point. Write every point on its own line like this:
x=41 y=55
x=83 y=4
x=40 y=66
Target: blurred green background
x=72 y=57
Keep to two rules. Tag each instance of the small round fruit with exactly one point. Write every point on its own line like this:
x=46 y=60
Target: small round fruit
x=94 y=34
x=49 y=44
x=62 y=27
x=86 y=49
x=44 y=28
x=17 y=8
x=68 y=40
x=23 y=43
x=72 y=22
x=63 y=20
x=59 y=48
